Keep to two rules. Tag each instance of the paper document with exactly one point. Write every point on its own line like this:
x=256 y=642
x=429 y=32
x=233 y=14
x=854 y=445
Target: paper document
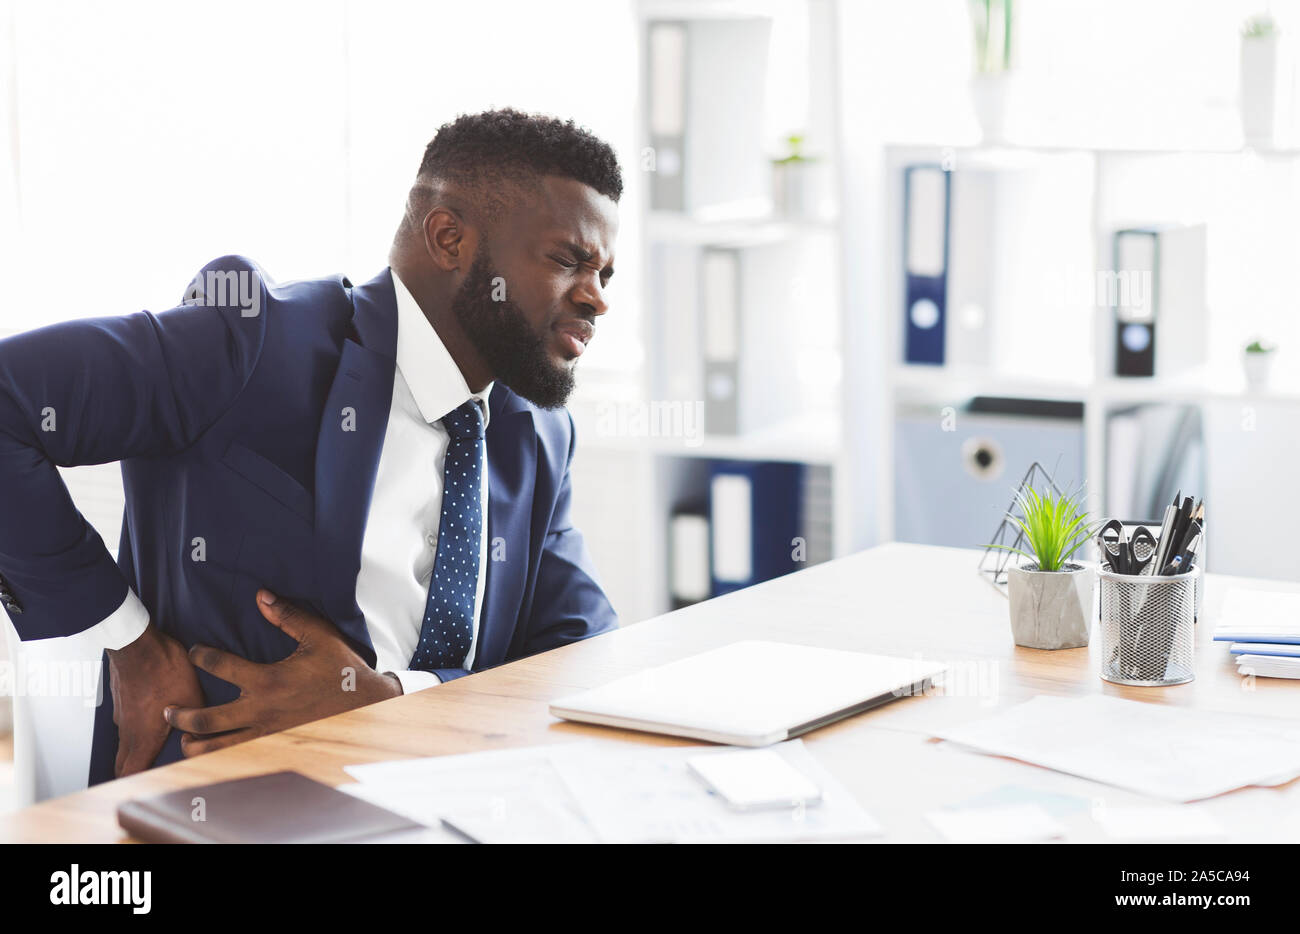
x=1268 y=666
x=639 y=794
x=1165 y=752
x=586 y=792
x=1259 y=616
x=502 y=796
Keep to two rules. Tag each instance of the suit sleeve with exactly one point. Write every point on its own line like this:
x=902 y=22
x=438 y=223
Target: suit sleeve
x=568 y=602
x=90 y=392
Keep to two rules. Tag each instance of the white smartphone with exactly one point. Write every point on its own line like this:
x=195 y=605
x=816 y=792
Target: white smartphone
x=751 y=779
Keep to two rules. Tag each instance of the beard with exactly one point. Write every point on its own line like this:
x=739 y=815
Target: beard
x=505 y=340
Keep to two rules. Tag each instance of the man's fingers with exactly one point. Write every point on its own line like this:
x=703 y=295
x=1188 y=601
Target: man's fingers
x=194 y=746
x=226 y=666
x=284 y=615
x=219 y=719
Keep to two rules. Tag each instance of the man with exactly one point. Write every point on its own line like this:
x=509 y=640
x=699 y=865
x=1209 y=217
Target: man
x=334 y=493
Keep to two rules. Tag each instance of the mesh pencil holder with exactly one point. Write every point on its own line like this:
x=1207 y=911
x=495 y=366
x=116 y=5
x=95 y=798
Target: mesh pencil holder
x=1147 y=634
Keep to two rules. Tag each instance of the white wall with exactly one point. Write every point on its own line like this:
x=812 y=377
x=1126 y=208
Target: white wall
x=146 y=138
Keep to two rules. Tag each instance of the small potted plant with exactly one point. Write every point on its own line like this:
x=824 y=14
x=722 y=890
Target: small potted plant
x=1257 y=360
x=1051 y=597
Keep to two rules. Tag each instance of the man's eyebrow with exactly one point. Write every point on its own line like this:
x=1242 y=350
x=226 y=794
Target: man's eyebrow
x=584 y=255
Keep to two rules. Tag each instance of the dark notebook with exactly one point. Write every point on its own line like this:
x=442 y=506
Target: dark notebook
x=282 y=807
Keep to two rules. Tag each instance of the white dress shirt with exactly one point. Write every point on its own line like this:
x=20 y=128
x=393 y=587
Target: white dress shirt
x=401 y=538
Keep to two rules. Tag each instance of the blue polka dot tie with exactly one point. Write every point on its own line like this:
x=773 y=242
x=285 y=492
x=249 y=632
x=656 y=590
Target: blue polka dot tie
x=448 y=626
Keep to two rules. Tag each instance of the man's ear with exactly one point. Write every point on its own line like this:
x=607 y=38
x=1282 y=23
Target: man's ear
x=448 y=240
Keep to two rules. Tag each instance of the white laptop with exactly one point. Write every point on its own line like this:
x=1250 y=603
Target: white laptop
x=750 y=693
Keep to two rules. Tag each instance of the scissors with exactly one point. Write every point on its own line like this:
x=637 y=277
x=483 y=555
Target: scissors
x=1126 y=555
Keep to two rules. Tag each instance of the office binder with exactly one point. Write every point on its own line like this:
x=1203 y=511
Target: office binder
x=1134 y=306
x=666 y=97
x=927 y=206
x=747 y=311
x=976 y=252
x=689 y=579
x=817 y=510
x=1157 y=295
x=720 y=303
x=755 y=518
x=705 y=81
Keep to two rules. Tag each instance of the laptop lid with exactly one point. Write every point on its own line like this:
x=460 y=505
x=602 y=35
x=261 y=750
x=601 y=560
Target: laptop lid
x=750 y=693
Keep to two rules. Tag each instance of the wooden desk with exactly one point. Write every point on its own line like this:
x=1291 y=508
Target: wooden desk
x=896 y=599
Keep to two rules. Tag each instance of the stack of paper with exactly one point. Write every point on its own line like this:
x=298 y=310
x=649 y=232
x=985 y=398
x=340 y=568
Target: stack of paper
x=1166 y=752
x=1264 y=629
x=589 y=792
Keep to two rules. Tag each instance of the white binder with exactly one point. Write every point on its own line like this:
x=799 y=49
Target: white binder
x=704 y=88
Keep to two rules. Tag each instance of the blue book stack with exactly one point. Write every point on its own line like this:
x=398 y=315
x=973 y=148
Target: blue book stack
x=1264 y=629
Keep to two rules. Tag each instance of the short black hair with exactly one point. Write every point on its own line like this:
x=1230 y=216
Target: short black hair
x=496 y=154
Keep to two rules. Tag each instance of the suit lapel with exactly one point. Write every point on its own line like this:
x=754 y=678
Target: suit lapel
x=512 y=469
x=348 y=445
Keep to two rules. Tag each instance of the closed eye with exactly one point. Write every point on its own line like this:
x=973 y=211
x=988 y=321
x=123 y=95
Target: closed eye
x=605 y=274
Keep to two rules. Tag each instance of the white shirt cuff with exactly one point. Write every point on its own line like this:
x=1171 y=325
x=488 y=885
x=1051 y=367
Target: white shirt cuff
x=413 y=681
x=118 y=630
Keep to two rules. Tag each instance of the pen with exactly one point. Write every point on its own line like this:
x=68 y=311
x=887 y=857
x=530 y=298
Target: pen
x=1166 y=533
x=1189 y=551
x=1191 y=534
x=1182 y=518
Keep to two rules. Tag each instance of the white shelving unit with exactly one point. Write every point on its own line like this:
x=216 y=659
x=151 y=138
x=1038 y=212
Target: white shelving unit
x=674 y=467
x=1218 y=383
x=856 y=93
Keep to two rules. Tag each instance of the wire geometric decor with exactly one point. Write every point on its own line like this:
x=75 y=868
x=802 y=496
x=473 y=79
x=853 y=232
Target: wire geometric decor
x=997 y=570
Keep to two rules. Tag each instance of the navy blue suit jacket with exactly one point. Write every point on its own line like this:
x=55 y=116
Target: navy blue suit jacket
x=251 y=441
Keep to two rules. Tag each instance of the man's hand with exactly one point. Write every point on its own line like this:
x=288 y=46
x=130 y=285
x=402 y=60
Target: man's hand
x=144 y=677
x=323 y=676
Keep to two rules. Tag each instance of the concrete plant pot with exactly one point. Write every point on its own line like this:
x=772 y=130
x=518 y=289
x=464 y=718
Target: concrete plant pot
x=1051 y=609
